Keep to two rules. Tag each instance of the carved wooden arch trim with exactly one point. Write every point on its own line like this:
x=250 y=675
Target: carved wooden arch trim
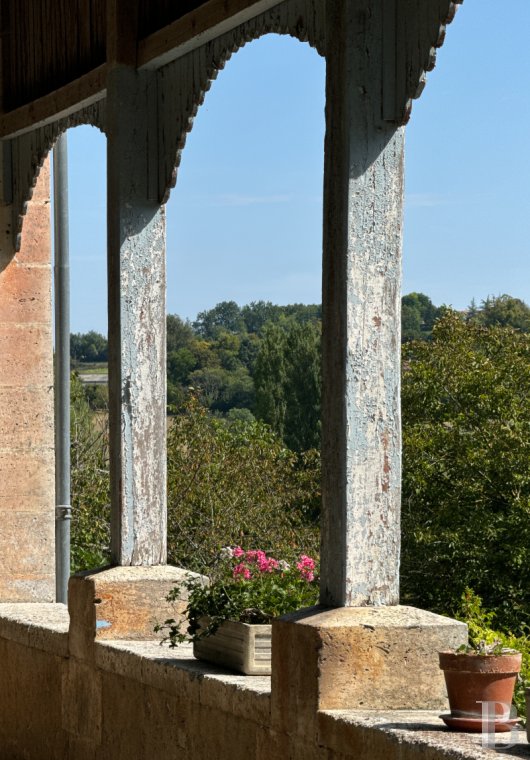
x=28 y=152
x=183 y=84
x=423 y=26
x=413 y=31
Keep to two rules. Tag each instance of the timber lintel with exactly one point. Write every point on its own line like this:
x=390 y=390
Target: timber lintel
x=64 y=101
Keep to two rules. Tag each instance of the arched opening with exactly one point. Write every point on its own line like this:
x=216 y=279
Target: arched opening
x=244 y=249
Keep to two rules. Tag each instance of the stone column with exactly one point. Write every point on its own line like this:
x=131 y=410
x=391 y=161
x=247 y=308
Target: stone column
x=361 y=649
x=137 y=337
x=27 y=490
x=363 y=199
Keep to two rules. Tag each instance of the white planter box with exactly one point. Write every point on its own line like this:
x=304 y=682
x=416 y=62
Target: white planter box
x=240 y=646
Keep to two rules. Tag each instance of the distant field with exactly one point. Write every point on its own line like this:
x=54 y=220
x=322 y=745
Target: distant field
x=95 y=368
x=96 y=373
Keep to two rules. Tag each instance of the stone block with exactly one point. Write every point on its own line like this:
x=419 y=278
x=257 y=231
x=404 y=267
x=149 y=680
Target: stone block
x=27 y=588
x=41 y=191
x=81 y=749
x=124 y=728
x=36 y=626
x=172 y=670
x=245 y=697
x=271 y=745
x=27 y=479
x=81 y=700
x=26 y=421
x=373 y=658
x=27 y=541
x=168 y=720
x=26 y=352
x=30 y=703
x=26 y=294
x=140 y=722
x=121 y=603
x=35 y=247
x=215 y=734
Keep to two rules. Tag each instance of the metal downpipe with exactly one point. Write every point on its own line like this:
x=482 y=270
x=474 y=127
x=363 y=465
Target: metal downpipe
x=63 y=508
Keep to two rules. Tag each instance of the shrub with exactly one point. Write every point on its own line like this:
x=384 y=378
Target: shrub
x=90 y=483
x=466 y=479
x=235 y=483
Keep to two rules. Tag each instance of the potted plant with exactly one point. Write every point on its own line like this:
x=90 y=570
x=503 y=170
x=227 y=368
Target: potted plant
x=480 y=680
x=229 y=619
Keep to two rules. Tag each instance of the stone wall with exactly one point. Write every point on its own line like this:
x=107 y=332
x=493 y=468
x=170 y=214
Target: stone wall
x=136 y=700
x=26 y=410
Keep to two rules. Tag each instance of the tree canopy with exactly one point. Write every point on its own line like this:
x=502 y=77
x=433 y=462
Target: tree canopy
x=466 y=476
x=418 y=315
x=502 y=311
x=88 y=347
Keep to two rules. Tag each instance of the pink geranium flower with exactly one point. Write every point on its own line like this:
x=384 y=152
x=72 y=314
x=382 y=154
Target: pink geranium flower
x=305 y=562
x=267 y=564
x=242 y=571
x=306 y=566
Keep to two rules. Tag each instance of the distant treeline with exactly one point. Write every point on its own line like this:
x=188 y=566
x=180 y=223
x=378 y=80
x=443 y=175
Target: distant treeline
x=263 y=361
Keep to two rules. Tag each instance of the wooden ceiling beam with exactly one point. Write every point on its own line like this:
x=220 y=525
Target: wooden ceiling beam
x=73 y=96
x=196 y=28
x=173 y=41
x=122 y=32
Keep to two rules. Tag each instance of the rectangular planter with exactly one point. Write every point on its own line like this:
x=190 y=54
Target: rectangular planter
x=240 y=646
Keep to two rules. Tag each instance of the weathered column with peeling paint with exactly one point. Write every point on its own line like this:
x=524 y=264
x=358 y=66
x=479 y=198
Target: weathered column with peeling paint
x=363 y=197
x=137 y=338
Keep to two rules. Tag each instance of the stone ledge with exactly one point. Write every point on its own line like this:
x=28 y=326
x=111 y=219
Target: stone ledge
x=421 y=733
x=209 y=690
x=177 y=672
x=36 y=625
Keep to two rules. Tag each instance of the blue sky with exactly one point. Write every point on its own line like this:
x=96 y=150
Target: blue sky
x=244 y=221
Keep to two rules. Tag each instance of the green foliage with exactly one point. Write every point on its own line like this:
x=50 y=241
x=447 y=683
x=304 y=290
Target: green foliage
x=304 y=387
x=501 y=311
x=179 y=334
x=229 y=350
x=270 y=378
x=97 y=396
x=222 y=390
x=246 y=587
x=466 y=480
x=90 y=531
x=418 y=315
x=226 y=316
x=231 y=483
x=482 y=634
x=88 y=347
x=257 y=313
x=240 y=415
x=180 y=364
x=287 y=379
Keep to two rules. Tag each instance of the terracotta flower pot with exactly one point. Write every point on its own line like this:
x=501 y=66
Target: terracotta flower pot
x=472 y=679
